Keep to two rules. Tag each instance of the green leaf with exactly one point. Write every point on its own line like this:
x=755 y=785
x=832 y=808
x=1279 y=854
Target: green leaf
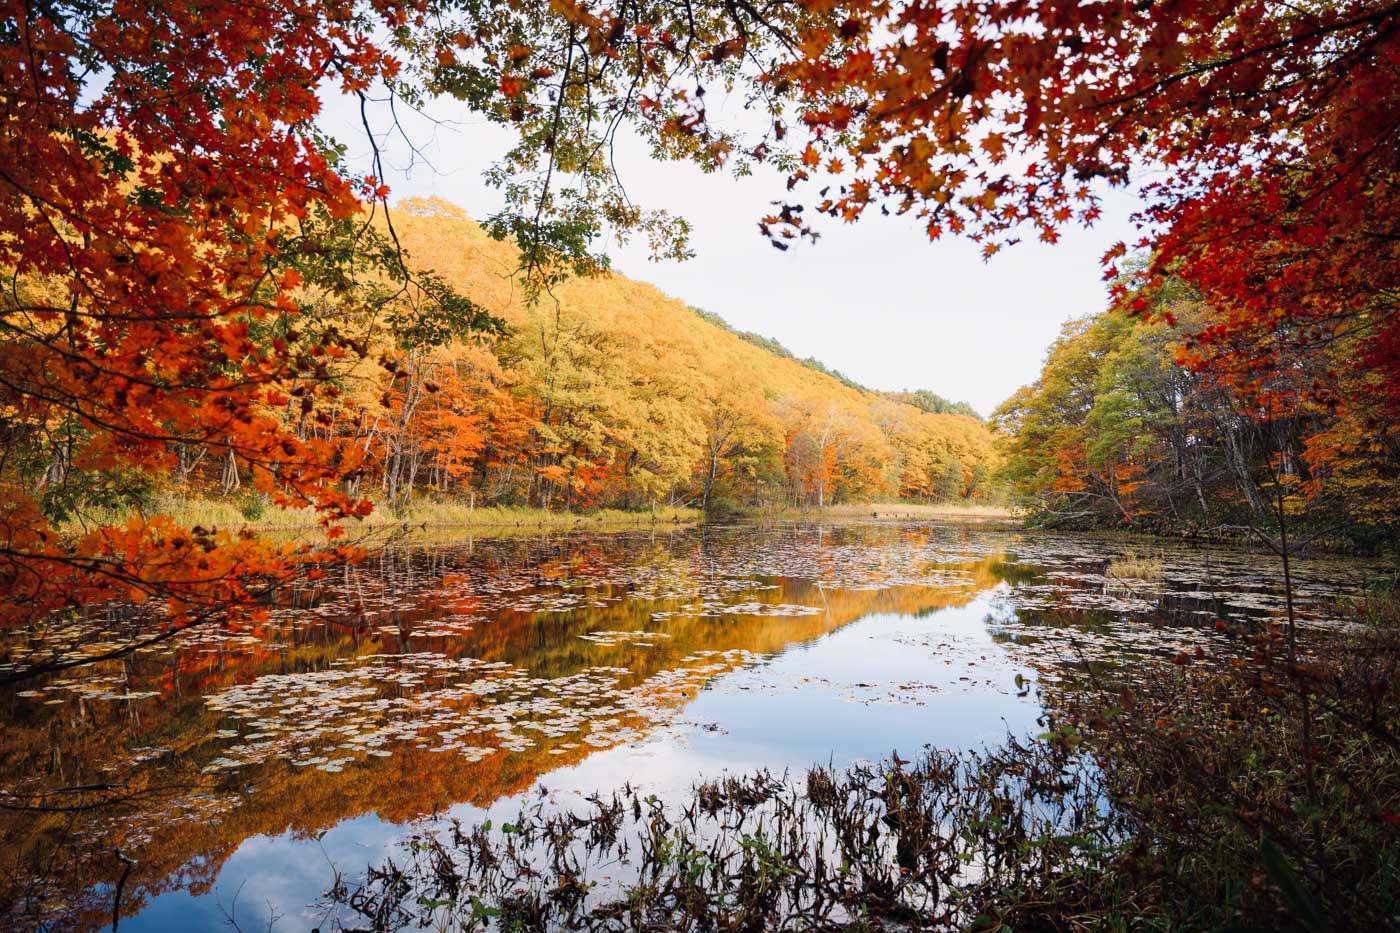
x=1304 y=905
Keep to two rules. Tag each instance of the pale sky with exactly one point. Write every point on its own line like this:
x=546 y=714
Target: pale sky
x=875 y=300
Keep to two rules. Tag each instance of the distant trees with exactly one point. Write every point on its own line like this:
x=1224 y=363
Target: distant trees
x=933 y=403
x=949 y=481
x=613 y=397
x=829 y=453
x=738 y=431
x=1120 y=430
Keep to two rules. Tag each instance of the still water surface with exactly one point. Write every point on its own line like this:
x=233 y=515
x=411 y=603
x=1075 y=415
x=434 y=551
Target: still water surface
x=451 y=679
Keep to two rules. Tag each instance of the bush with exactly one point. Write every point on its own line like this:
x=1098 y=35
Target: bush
x=251 y=505
x=1259 y=787
x=722 y=509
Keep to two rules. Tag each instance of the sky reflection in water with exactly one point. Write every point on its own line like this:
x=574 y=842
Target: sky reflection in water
x=451 y=679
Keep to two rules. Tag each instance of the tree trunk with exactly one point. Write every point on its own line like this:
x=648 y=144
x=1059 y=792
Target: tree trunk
x=230 y=479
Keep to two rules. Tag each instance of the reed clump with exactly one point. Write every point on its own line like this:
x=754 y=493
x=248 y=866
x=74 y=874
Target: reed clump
x=1136 y=566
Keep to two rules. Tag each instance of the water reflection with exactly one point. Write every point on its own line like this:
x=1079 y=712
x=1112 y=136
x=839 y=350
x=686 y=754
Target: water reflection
x=452 y=677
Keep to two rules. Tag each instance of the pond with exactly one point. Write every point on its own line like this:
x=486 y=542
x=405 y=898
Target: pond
x=236 y=771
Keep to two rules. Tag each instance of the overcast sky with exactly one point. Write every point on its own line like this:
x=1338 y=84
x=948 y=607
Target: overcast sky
x=875 y=300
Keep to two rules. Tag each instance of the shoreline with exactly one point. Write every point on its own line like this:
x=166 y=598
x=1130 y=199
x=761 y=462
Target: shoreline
x=449 y=516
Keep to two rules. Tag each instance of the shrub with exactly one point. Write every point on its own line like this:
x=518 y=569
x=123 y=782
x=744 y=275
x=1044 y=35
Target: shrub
x=722 y=509
x=251 y=506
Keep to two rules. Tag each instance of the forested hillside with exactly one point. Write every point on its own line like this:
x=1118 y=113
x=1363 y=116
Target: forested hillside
x=605 y=392
x=1124 y=428
x=919 y=398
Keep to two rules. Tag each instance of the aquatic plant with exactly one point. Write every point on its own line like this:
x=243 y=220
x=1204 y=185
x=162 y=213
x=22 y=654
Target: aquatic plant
x=890 y=845
x=1173 y=796
x=1135 y=566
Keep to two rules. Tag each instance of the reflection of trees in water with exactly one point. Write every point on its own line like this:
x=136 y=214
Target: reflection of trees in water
x=181 y=824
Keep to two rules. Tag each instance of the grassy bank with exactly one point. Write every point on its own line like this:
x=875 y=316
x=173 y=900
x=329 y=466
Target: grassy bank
x=896 y=510
x=252 y=514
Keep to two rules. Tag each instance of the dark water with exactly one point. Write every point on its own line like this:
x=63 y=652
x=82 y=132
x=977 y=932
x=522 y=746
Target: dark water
x=448 y=679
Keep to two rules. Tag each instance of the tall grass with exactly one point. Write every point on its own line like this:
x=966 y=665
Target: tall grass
x=1135 y=566
x=253 y=514
x=893 y=510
